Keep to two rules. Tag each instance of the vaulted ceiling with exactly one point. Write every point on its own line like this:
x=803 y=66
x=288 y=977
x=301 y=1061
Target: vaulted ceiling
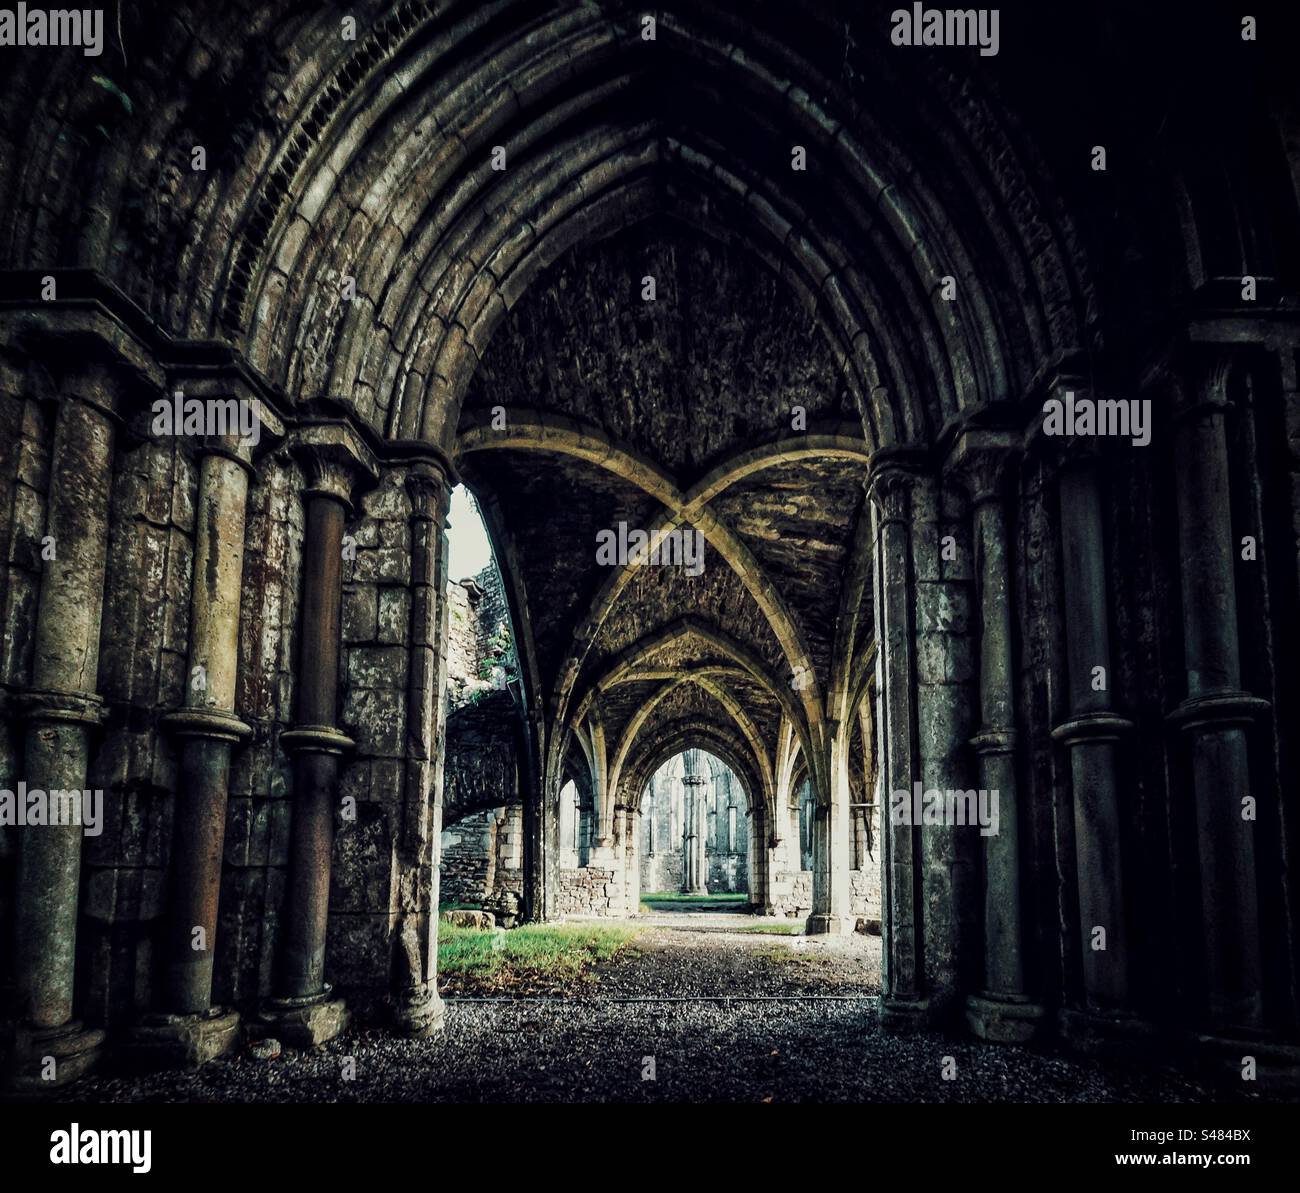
x=718 y=407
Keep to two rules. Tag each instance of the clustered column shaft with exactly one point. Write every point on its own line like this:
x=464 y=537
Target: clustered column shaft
x=418 y=1008
x=902 y=1004
x=303 y=1012
x=695 y=828
x=1216 y=713
x=1092 y=734
x=1004 y=1012
x=830 y=834
x=209 y=729
x=61 y=709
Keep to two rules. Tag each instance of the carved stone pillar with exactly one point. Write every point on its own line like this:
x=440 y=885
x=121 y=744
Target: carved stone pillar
x=831 y=827
x=631 y=861
x=187 y=1030
x=303 y=1013
x=1004 y=1012
x=945 y=721
x=694 y=866
x=903 y=1004
x=1216 y=712
x=1092 y=734
x=417 y=1007
x=536 y=783
x=61 y=709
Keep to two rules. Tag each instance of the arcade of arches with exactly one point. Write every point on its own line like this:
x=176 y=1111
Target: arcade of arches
x=765 y=282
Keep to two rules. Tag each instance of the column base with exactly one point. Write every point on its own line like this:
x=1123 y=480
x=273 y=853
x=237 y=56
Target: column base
x=904 y=1015
x=1223 y=1058
x=1002 y=1019
x=74 y=1050
x=181 y=1041
x=1112 y=1034
x=303 y=1022
x=820 y=924
x=419 y=1013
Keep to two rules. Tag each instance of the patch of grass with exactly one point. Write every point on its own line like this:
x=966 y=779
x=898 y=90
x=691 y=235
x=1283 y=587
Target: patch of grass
x=775 y=929
x=677 y=901
x=784 y=956
x=682 y=897
x=533 y=951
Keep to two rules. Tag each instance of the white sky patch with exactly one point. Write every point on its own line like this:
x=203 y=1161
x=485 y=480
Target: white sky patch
x=469 y=551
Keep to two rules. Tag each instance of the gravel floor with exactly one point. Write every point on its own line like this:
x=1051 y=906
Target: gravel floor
x=566 y=1051
x=693 y=954
x=811 y=1034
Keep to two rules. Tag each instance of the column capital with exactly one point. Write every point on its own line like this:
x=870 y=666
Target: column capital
x=1058 y=453
x=1201 y=379
x=982 y=459
x=426 y=484
x=214 y=373
x=892 y=476
x=339 y=463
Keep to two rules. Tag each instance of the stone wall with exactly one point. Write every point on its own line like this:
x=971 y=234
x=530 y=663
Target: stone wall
x=661 y=870
x=480 y=644
x=592 y=890
x=662 y=822
x=482 y=861
x=462 y=645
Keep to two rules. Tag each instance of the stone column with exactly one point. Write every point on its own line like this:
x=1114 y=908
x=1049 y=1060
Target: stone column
x=830 y=833
x=945 y=722
x=756 y=859
x=1216 y=713
x=903 y=1004
x=303 y=1013
x=535 y=781
x=1092 y=735
x=61 y=708
x=417 y=1007
x=1004 y=1012
x=631 y=861
x=694 y=829
x=189 y=1030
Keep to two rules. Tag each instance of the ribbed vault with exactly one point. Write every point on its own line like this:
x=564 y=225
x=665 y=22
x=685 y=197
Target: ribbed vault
x=449 y=217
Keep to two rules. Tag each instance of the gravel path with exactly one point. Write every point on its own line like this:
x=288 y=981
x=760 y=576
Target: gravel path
x=774 y=1040
x=553 y=1050
x=693 y=954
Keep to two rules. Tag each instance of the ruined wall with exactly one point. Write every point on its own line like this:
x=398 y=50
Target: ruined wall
x=462 y=646
x=143 y=673
x=592 y=890
x=480 y=644
x=483 y=730
x=224 y=270
x=727 y=845
x=260 y=806
x=661 y=824
x=481 y=769
x=482 y=862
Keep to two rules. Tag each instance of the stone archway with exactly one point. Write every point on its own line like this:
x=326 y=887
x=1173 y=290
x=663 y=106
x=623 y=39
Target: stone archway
x=423 y=253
